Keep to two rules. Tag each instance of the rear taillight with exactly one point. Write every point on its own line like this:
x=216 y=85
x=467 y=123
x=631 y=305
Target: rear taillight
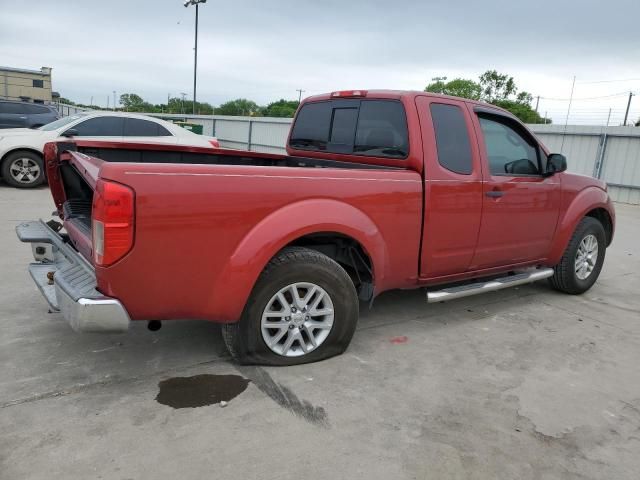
x=112 y=222
x=215 y=143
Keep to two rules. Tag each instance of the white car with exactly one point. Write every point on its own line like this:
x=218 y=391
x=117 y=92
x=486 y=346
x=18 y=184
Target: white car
x=21 y=163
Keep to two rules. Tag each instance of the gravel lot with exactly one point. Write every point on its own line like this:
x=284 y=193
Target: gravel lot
x=525 y=383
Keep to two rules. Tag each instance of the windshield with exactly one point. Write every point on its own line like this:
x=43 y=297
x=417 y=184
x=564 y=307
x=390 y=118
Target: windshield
x=62 y=122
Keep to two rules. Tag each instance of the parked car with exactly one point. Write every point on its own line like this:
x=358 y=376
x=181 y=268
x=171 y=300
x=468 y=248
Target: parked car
x=21 y=163
x=26 y=114
x=381 y=190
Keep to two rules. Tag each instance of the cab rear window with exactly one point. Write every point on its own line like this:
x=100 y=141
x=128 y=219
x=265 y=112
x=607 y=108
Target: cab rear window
x=376 y=128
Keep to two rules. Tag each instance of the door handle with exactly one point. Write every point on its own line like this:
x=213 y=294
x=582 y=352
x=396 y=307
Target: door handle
x=494 y=193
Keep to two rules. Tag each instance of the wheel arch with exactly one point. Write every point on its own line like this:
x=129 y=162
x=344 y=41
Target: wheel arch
x=593 y=202
x=603 y=216
x=20 y=149
x=333 y=222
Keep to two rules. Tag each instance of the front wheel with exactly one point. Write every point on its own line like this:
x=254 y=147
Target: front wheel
x=23 y=169
x=582 y=261
x=303 y=308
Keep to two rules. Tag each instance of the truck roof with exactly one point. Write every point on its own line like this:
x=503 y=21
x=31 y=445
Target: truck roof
x=397 y=95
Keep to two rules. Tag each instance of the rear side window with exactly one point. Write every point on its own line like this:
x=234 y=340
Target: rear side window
x=382 y=130
x=452 y=138
x=376 y=128
x=100 y=127
x=311 y=130
x=36 y=109
x=14 y=108
x=135 y=127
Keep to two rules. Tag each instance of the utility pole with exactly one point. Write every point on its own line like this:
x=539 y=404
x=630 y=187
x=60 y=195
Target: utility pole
x=114 y=100
x=107 y=102
x=195 y=48
x=537 y=102
x=609 y=117
x=300 y=92
x=545 y=118
x=182 y=105
x=91 y=104
x=626 y=114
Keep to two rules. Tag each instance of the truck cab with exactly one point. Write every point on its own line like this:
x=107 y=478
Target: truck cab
x=493 y=194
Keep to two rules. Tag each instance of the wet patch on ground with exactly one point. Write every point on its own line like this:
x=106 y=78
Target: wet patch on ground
x=200 y=390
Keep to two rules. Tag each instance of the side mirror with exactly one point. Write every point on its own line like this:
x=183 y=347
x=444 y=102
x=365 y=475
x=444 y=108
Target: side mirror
x=556 y=163
x=72 y=132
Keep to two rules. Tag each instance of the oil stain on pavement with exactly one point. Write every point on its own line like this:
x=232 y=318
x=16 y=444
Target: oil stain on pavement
x=200 y=390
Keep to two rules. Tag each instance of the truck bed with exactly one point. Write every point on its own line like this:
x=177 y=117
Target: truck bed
x=150 y=153
x=202 y=219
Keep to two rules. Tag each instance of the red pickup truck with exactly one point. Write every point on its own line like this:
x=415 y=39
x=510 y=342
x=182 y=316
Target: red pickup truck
x=380 y=190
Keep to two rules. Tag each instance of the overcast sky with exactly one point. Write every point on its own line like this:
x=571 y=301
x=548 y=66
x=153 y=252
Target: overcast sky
x=265 y=50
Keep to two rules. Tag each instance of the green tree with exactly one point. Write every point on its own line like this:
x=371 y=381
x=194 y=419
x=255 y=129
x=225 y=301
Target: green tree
x=131 y=102
x=497 y=86
x=238 y=107
x=492 y=87
x=459 y=87
x=638 y=123
x=281 y=108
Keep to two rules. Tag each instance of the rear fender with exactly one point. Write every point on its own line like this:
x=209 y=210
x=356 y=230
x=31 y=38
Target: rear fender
x=588 y=199
x=233 y=287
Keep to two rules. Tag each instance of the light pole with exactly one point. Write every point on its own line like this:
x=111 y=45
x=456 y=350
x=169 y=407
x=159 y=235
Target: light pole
x=626 y=114
x=195 y=48
x=182 y=105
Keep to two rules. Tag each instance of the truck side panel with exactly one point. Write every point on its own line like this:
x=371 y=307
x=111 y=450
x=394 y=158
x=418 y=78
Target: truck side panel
x=197 y=225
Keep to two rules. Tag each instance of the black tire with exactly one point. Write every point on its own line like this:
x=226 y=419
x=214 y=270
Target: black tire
x=564 y=278
x=294 y=264
x=33 y=157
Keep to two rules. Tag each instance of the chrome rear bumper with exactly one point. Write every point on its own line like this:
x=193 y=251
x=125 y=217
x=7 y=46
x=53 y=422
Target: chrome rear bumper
x=68 y=282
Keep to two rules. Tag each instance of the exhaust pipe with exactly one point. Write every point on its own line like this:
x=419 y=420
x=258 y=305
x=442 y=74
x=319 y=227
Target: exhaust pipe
x=154 y=325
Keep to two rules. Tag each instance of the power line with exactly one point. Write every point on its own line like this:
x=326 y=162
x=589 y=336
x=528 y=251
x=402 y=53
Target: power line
x=620 y=94
x=610 y=81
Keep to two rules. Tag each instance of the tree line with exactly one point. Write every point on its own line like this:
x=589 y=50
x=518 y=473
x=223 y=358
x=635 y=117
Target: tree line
x=492 y=87
x=132 y=102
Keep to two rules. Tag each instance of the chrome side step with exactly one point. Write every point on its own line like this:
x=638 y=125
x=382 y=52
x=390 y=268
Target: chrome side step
x=451 y=293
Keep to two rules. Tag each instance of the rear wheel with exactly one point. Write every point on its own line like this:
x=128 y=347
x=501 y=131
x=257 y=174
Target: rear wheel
x=582 y=261
x=303 y=308
x=23 y=169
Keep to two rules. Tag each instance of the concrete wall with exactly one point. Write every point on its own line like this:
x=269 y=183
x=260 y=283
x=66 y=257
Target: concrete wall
x=16 y=84
x=609 y=153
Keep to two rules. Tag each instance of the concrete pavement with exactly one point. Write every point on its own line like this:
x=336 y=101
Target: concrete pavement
x=525 y=383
